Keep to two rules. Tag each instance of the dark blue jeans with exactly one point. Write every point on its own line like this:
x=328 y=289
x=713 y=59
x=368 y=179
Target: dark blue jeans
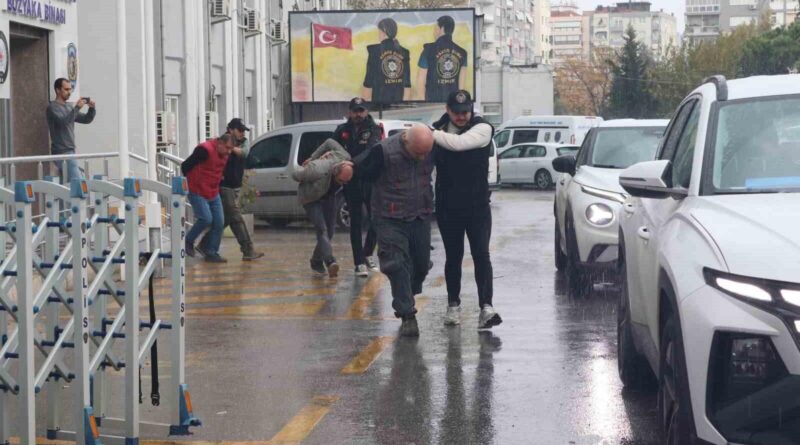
x=207 y=213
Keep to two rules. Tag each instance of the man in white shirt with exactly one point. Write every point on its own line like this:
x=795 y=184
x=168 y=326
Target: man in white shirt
x=463 y=146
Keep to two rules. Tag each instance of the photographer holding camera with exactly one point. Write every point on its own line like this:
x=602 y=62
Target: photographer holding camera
x=61 y=118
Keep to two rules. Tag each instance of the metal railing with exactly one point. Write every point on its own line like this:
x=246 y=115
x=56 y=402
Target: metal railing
x=8 y=166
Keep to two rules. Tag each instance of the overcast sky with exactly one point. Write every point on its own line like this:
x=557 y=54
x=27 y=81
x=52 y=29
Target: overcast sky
x=676 y=7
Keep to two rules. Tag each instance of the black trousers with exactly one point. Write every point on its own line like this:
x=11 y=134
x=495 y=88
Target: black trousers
x=357 y=196
x=404 y=250
x=476 y=223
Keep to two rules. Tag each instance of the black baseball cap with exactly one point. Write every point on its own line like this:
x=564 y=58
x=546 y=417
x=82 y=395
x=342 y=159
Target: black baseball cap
x=460 y=101
x=358 y=103
x=237 y=124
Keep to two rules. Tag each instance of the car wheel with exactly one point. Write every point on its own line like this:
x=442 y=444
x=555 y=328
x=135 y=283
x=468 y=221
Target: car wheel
x=561 y=258
x=578 y=279
x=634 y=371
x=343 y=216
x=673 y=401
x=543 y=180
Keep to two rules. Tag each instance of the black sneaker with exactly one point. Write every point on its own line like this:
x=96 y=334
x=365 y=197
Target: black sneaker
x=200 y=248
x=215 y=259
x=189 y=249
x=252 y=255
x=317 y=266
x=409 y=327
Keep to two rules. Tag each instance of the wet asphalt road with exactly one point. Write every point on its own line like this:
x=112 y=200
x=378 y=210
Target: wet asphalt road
x=278 y=356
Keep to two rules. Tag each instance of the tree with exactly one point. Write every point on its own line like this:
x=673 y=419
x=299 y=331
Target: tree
x=630 y=95
x=683 y=68
x=582 y=86
x=773 y=52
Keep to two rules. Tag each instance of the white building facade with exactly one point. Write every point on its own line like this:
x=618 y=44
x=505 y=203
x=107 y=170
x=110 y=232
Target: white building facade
x=191 y=66
x=36 y=41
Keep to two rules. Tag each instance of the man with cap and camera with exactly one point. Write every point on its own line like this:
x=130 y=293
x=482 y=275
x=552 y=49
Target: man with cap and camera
x=463 y=147
x=230 y=189
x=357 y=135
x=442 y=64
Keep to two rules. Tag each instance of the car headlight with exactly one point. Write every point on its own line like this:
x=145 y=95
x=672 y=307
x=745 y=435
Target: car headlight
x=781 y=299
x=606 y=194
x=599 y=214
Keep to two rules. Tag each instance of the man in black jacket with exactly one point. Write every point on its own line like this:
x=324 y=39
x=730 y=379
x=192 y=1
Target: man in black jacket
x=463 y=146
x=358 y=134
x=230 y=189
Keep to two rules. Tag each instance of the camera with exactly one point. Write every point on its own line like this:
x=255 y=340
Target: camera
x=86 y=99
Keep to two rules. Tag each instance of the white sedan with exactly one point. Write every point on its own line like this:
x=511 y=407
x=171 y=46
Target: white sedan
x=530 y=164
x=710 y=254
x=588 y=196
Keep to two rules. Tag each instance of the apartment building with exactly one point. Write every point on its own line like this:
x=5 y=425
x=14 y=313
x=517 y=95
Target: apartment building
x=707 y=19
x=569 y=29
x=656 y=29
x=515 y=32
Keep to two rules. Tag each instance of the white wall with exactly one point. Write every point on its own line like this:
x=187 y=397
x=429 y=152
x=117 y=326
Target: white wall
x=518 y=90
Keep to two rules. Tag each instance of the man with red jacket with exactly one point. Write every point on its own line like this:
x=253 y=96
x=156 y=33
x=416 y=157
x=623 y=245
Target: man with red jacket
x=203 y=170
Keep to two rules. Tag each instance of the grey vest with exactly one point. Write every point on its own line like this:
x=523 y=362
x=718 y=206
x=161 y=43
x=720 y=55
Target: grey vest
x=403 y=191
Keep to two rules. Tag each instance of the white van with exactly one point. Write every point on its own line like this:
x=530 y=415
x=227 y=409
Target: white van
x=275 y=155
x=569 y=130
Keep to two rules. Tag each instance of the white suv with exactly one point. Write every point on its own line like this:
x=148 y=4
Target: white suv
x=588 y=196
x=710 y=254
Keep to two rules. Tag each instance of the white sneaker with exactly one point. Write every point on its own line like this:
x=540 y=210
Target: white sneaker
x=361 y=270
x=372 y=264
x=453 y=316
x=488 y=318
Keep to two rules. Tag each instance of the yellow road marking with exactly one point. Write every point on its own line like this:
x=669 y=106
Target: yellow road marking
x=368 y=355
x=228 y=298
x=245 y=285
x=437 y=282
x=230 y=278
x=358 y=309
x=304 y=422
x=306 y=308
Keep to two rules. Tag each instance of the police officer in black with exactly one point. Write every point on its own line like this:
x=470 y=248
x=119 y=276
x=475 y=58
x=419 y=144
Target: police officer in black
x=358 y=134
x=462 y=150
x=388 y=78
x=442 y=64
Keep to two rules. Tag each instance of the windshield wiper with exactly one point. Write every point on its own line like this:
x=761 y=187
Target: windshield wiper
x=606 y=166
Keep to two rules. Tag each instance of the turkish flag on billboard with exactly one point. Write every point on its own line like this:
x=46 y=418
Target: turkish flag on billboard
x=332 y=37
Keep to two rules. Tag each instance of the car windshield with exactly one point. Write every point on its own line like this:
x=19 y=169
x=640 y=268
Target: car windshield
x=567 y=150
x=623 y=147
x=757 y=146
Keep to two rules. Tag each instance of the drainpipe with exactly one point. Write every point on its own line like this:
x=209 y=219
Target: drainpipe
x=190 y=73
x=122 y=96
x=148 y=42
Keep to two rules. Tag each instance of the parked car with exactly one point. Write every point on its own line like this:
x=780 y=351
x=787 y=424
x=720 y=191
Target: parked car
x=588 y=196
x=530 y=164
x=710 y=254
x=544 y=129
x=274 y=156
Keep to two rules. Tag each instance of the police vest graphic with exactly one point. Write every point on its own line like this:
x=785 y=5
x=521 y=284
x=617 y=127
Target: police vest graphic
x=388 y=72
x=444 y=61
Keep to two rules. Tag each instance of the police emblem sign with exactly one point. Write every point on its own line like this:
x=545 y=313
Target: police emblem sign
x=386 y=56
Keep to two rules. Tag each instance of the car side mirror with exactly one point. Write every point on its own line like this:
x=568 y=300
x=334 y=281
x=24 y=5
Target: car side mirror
x=565 y=164
x=649 y=179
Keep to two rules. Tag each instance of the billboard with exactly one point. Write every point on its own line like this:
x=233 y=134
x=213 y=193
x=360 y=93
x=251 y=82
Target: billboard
x=386 y=57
